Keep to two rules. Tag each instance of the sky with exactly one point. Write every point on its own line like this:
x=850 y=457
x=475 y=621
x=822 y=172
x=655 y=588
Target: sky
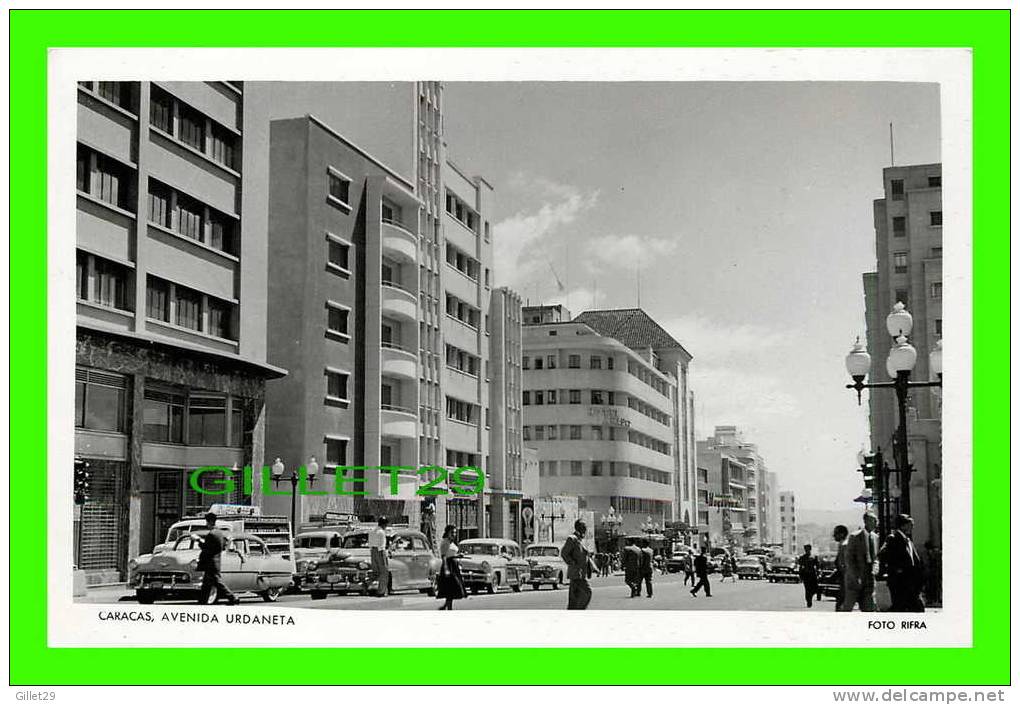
x=740 y=213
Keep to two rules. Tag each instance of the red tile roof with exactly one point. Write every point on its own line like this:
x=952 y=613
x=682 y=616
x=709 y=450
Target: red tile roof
x=631 y=326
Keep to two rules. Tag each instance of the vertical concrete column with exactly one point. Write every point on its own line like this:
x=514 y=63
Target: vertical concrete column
x=134 y=463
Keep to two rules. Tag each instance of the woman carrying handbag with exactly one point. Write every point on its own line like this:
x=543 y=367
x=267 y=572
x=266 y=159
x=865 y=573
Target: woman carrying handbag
x=450 y=585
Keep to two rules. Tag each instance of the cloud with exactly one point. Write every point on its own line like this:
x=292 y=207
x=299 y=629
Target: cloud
x=716 y=341
x=519 y=239
x=633 y=251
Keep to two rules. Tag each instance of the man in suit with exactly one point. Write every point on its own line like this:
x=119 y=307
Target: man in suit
x=839 y=535
x=903 y=565
x=645 y=575
x=209 y=563
x=807 y=567
x=701 y=572
x=861 y=558
x=632 y=567
x=579 y=568
x=688 y=565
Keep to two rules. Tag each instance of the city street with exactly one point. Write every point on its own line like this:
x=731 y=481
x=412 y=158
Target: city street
x=607 y=593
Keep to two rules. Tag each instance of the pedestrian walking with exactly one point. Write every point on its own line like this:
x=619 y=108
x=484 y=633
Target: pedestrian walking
x=726 y=567
x=903 y=565
x=209 y=563
x=688 y=566
x=632 y=567
x=807 y=567
x=861 y=567
x=450 y=583
x=701 y=571
x=839 y=535
x=579 y=568
x=380 y=556
x=647 y=559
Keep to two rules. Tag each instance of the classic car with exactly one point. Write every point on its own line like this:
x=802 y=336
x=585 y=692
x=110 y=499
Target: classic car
x=675 y=563
x=310 y=547
x=750 y=568
x=546 y=566
x=828 y=578
x=783 y=569
x=492 y=564
x=413 y=566
x=246 y=566
x=186 y=527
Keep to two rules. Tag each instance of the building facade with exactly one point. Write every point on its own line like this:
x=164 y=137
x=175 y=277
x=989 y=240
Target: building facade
x=171 y=358
x=788 y=523
x=732 y=483
x=603 y=406
x=908 y=245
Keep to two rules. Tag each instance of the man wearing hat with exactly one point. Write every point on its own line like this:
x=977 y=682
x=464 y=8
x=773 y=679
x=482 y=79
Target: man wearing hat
x=906 y=575
x=209 y=564
x=861 y=559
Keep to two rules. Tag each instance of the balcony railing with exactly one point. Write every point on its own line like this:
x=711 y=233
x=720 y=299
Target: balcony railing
x=390 y=345
x=396 y=285
x=400 y=409
x=397 y=224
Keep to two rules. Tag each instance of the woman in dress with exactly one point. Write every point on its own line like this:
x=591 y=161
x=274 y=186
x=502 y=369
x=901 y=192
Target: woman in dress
x=450 y=584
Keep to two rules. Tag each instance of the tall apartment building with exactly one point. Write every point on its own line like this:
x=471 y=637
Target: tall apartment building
x=603 y=406
x=504 y=486
x=788 y=523
x=731 y=483
x=171 y=363
x=769 y=503
x=344 y=318
x=908 y=246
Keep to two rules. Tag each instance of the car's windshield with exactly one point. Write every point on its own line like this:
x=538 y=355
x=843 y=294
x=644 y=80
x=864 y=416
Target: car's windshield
x=310 y=542
x=480 y=549
x=543 y=552
x=359 y=540
x=749 y=561
x=188 y=543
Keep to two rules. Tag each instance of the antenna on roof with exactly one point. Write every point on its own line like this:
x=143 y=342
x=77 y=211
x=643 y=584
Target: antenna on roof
x=638 y=273
x=892 y=152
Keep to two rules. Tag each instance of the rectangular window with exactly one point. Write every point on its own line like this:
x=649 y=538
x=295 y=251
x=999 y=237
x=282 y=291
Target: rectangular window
x=550 y=362
x=109 y=181
x=221 y=146
x=525 y=398
x=189 y=217
x=896 y=189
x=336 y=452
x=938 y=327
x=936 y=290
x=99 y=400
x=899 y=226
x=596 y=433
x=550 y=396
x=527 y=433
x=539 y=398
x=221 y=318
x=82 y=275
x=391 y=213
x=159 y=204
x=609 y=363
x=191 y=127
x=575 y=433
x=163 y=416
x=339 y=255
x=539 y=363
x=110 y=283
x=574 y=362
x=575 y=396
x=595 y=363
x=597 y=397
x=336 y=384
x=575 y=468
x=553 y=433
x=157 y=299
x=596 y=468
x=161 y=110
x=116 y=92
x=936 y=252
x=221 y=233
x=207 y=420
x=539 y=433
x=337 y=319
x=189 y=308
x=553 y=468
x=237 y=422
x=340 y=188
x=934 y=182
x=901 y=297
x=526 y=363
x=900 y=262
x=935 y=218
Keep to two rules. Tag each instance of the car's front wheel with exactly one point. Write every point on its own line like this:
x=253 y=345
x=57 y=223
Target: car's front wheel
x=271 y=594
x=534 y=586
x=145 y=597
x=319 y=594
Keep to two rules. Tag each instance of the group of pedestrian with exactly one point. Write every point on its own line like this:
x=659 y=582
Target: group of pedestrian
x=859 y=562
x=638 y=562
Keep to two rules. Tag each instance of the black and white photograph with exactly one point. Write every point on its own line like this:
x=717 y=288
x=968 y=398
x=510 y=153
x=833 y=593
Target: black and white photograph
x=512 y=344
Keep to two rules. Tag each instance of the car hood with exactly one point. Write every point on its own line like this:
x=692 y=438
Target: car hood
x=169 y=559
x=306 y=553
x=547 y=561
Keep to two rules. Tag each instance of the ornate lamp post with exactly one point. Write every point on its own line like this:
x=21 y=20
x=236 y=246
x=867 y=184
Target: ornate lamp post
x=551 y=518
x=899 y=365
x=610 y=524
x=311 y=472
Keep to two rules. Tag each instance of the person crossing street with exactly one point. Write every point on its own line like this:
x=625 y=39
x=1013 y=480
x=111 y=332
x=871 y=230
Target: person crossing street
x=579 y=568
x=701 y=571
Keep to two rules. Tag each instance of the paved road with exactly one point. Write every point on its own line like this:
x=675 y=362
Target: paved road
x=607 y=593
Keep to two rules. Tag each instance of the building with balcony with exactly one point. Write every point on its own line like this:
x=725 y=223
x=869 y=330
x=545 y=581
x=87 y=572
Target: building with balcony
x=603 y=405
x=343 y=317
x=171 y=358
x=908 y=247
x=731 y=480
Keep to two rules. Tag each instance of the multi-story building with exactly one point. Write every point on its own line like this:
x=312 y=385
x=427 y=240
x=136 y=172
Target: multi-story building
x=769 y=503
x=908 y=231
x=603 y=404
x=788 y=523
x=171 y=363
x=504 y=489
x=731 y=479
x=343 y=317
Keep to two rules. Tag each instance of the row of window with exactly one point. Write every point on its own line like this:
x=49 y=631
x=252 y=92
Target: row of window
x=538 y=397
x=573 y=433
x=899 y=223
x=169 y=415
x=648 y=378
x=462 y=411
x=461 y=211
x=463 y=311
x=191 y=218
x=896 y=189
x=600 y=468
x=102 y=282
x=551 y=362
x=462 y=361
x=105 y=178
x=187 y=125
x=640 y=505
x=465 y=264
x=120 y=93
x=181 y=306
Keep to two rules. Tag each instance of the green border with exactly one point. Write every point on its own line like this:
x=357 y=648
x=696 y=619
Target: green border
x=987 y=33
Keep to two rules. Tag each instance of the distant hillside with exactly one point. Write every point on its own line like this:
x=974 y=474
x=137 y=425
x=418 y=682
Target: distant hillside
x=831 y=517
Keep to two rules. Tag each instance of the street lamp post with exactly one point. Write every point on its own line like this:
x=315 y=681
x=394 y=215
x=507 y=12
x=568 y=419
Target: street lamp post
x=552 y=516
x=900 y=363
x=311 y=471
x=610 y=523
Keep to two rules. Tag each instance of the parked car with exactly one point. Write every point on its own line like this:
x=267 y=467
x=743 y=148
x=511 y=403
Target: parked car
x=545 y=565
x=413 y=566
x=310 y=547
x=750 y=568
x=492 y=564
x=783 y=569
x=716 y=557
x=246 y=566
